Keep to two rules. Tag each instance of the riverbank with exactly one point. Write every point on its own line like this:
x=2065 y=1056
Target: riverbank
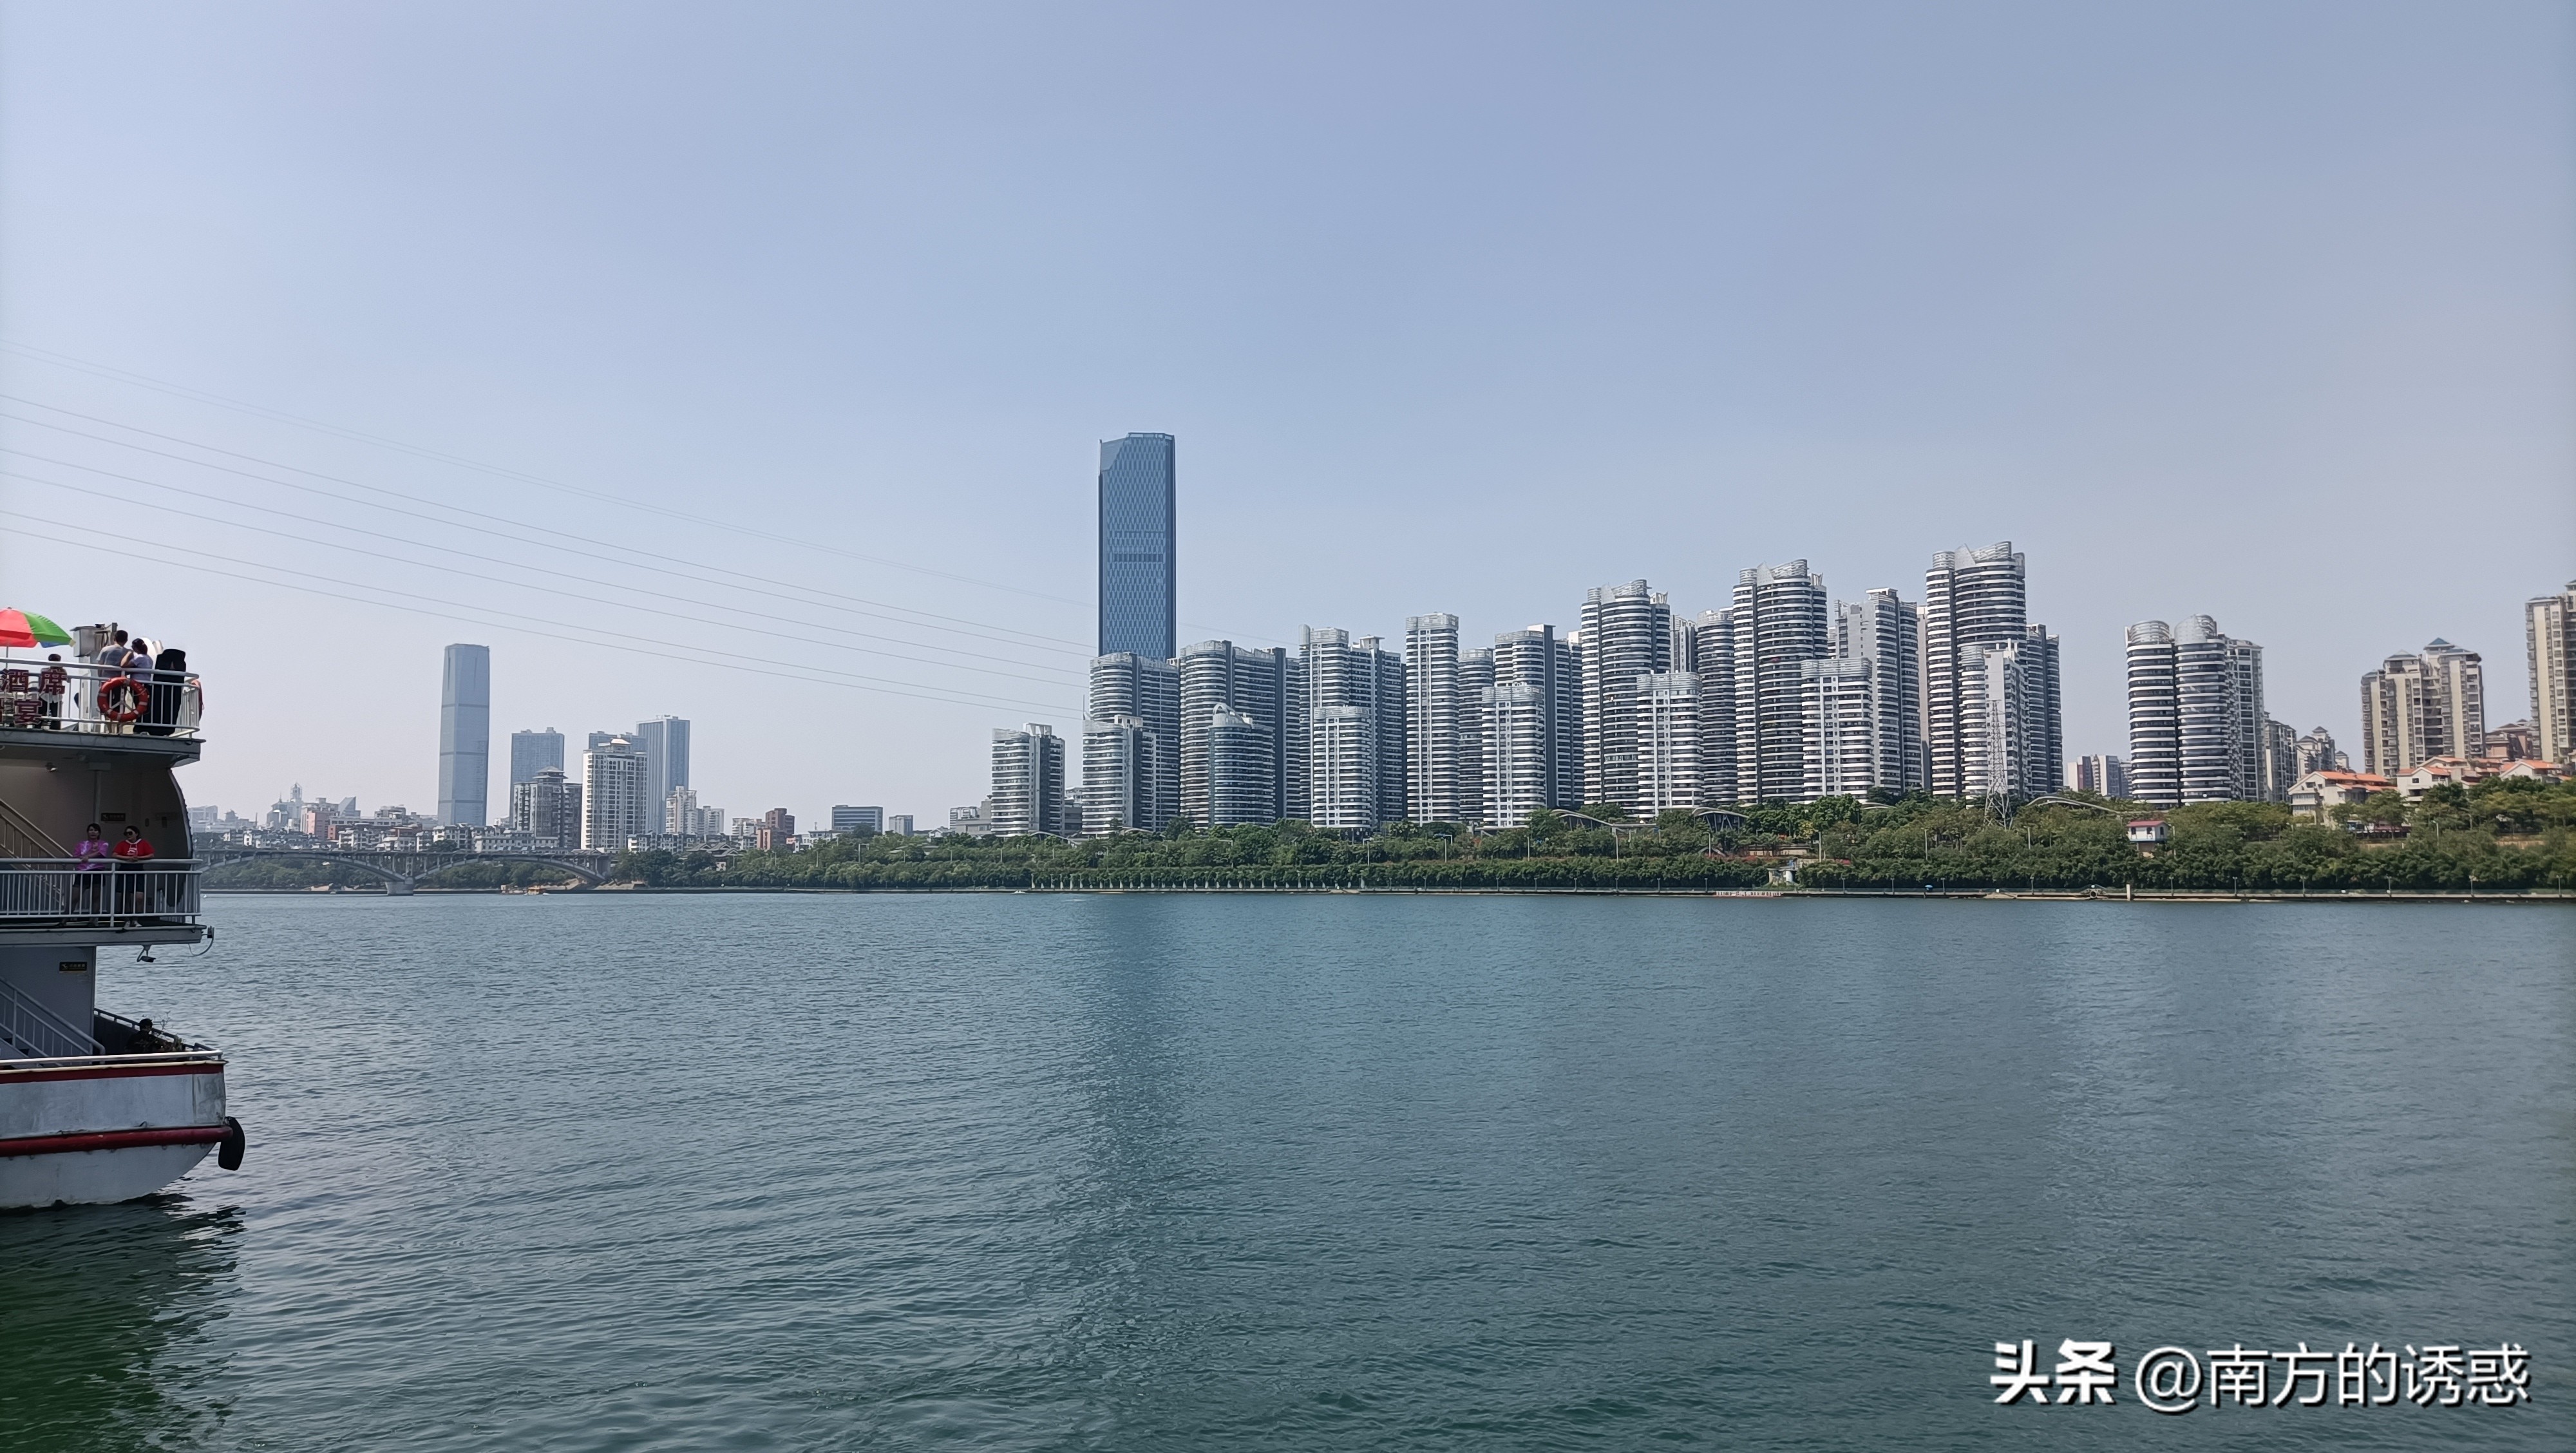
x=2541 y=897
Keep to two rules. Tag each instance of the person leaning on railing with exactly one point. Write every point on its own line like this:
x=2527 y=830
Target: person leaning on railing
x=96 y=855
x=131 y=852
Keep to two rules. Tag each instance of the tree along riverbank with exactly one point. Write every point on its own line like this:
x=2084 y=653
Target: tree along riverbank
x=2518 y=835
x=2497 y=837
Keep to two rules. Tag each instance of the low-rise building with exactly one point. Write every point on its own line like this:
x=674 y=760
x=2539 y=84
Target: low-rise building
x=2316 y=795
x=2148 y=832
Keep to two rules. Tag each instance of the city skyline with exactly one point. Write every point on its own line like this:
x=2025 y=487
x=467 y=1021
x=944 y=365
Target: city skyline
x=1633 y=325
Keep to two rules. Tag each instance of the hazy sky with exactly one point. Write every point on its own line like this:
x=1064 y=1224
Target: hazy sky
x=808 y=320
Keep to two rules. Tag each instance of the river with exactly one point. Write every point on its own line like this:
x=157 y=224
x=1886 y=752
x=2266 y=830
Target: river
x=1033 y=1171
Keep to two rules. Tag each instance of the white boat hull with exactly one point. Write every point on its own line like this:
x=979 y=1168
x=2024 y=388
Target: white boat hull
x=106 y=1128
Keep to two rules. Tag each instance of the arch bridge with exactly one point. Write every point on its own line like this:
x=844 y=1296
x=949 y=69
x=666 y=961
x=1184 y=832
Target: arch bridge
x=403 y=871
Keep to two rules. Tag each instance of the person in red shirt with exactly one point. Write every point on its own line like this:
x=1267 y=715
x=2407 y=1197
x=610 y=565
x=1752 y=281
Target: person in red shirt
x=133 y=851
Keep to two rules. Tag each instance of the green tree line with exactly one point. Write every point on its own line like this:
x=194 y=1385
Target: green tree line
x=2499 y=835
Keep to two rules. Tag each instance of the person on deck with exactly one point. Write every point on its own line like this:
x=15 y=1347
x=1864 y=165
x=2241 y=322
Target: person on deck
x=133 y=851
x=93 y=854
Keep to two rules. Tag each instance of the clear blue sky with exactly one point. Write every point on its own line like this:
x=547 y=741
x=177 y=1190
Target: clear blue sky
x=2261 y=310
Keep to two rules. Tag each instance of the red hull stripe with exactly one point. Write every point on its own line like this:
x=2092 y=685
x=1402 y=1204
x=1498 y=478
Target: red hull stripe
x=111 y=1140
x=106 y=1072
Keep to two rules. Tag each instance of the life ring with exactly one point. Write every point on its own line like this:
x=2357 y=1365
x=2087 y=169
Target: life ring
x=125 y=706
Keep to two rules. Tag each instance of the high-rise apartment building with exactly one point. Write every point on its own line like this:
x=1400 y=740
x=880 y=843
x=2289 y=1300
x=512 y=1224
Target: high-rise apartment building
x=614 y=804
x=1667 y=727
x=1138 y=497
x=1342 y=768
x=534 y=752
x=2197 y=726
x=2155 y=716
x=1337 y=671
x=2280 y=759
x=1145 y=792
x=1627 y=635
x=1265 y=688
x=1436 y=712
x=465 y=736
x=2106 y=775
x=1475 y=673
x=1839 y=720
x=1780 y=621
x=2218 y=693
x=1028 y=781
x=1972 y=599
x=1120 y=785
x=1538 y=762
x=1712 y=659
x=1242 y=768
x=664 y=741
x=2414 y=708
x=2549 y=635
x=547 y=808
x=1884 y=630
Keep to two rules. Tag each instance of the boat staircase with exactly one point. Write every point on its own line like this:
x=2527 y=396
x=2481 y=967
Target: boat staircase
x=28 y=1030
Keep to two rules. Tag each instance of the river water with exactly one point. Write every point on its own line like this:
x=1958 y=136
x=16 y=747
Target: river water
x=1333 y=1172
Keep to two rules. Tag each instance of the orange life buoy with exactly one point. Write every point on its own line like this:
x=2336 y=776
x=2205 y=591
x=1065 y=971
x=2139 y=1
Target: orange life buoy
x=121 y=706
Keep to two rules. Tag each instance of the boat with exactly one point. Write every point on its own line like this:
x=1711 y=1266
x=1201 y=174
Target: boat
x=96 y=1107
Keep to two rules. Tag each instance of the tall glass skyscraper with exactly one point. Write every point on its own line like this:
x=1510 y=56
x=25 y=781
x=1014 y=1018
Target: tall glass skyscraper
x=1136 y=546
x=465 y=736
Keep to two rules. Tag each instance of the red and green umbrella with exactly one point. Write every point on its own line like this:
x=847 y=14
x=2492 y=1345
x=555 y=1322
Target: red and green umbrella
x=26 y=628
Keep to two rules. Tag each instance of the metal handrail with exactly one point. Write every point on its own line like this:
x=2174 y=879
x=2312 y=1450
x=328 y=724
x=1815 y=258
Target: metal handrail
x=102 y=1060
x=100 y=890
x=39 y=1031
x=26 y=704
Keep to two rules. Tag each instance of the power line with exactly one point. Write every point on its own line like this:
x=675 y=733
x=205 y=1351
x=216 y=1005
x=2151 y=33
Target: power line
x=526 y=585
x=65 y=360
x=979 y=629
x=589 y=637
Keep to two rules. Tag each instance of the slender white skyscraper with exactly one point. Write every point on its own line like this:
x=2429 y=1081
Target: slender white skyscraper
x=1148 y=689
x=1886 y=632
x=1841 y=723
x=1475 y=673
x=1627 y=635
x=2549 y=635
x=614 y=802
x=465 y=736
x=1712 y=638
x=1265 y=689
x=1972 y=598
x=1117 y=775
x=2218 y=695
x=1028 y=781
x=1338 y=671
x=1780 y=620
x=2155 y=716
x=1667 y=706
x=1435 y=713
x=1536 y=658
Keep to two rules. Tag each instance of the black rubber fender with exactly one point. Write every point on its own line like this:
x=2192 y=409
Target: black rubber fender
x=228 y=1153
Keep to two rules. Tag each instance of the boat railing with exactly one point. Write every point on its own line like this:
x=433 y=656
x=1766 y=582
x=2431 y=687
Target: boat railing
x=99 y=892
x=110 y=1061
x=84 y=696
x=34 y=1031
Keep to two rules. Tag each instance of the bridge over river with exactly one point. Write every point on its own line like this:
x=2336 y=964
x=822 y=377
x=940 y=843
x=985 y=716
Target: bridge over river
x=402 y=871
